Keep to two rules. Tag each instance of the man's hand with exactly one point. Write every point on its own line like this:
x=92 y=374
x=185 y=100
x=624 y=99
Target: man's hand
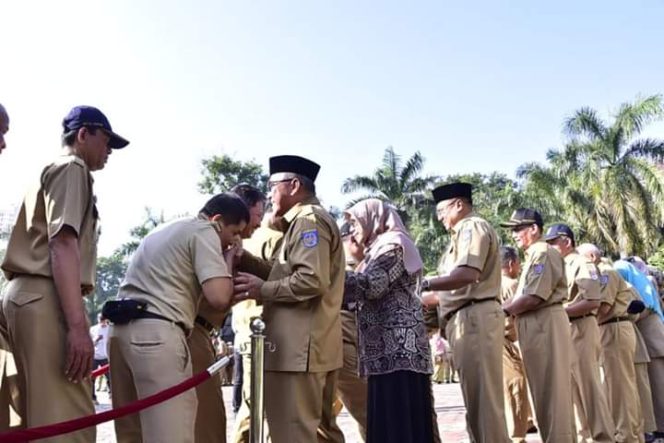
x=246 y=286
x=232 y=255
x=80 y=351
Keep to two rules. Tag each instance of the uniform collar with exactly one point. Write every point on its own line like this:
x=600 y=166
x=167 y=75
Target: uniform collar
x=535 y=245
x=293 y=212
x=457 y=227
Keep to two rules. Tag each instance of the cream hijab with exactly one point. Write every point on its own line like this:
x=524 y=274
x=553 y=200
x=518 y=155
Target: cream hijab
x=382 y=227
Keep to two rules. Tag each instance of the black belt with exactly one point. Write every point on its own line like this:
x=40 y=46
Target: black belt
x=209 y=327
x=449 y=315
x=615 y=320
x=581 y=316
x=152 y=315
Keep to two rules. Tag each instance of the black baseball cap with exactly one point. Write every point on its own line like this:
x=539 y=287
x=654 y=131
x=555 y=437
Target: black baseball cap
x=89 y=116
x=523 y=217
x=294 y=164
x=557 y=230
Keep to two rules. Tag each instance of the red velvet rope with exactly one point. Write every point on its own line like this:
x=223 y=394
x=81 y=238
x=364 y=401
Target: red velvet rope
x=99 y=371
x=95 y=419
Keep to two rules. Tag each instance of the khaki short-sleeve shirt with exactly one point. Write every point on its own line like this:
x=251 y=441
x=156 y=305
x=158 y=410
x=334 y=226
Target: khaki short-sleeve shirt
x=170 y=265
x=508 y=288
x=543 y=275
x=63 y=196
x=615 y=291
x=582 y=278
x=473 y=243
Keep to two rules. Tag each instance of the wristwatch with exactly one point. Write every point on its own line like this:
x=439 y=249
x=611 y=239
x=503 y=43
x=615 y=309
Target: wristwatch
x=426 y=284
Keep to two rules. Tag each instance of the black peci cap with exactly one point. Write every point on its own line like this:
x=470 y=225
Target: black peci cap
x=453 y=190
x=522 y=217
x=294 y=164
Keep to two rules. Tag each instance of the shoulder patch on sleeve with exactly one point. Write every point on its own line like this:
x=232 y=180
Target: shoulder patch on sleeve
x=466 y=235
x=538 y=268
x=604 y=279
x=309 y=238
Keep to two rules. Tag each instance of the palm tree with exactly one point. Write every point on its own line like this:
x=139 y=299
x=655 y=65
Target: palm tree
x=607 y=181
x=394 y=181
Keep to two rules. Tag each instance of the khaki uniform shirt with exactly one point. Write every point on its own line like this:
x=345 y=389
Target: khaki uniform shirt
x=473 y=243
x=508 y=288
x=582 y=279
x=303 y=293
x=543 y=275
x=264 y=243
x=170 y=265
x=614 y=291
x=62 y=197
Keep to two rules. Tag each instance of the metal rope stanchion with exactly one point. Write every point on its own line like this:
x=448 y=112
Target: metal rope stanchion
x=256 y=394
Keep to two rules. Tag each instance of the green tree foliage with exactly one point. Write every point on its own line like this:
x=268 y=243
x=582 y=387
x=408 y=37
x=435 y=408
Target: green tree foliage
x=137 y=233
x=607 y=181
x=110 y=272
x=221 y=173
x=400 y=183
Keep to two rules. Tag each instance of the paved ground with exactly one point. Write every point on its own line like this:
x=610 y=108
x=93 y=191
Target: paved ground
x=449 y=407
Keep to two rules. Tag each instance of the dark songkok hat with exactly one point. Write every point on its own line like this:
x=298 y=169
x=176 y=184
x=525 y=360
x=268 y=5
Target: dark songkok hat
x=522 y=217
x=557 y=230
x=453 y=190
x=295 y=165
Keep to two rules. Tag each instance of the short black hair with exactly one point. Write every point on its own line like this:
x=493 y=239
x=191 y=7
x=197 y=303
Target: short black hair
x=249 y=194
x=307 y=183
x=507 y=253
x=229 y=205
x=68 y=138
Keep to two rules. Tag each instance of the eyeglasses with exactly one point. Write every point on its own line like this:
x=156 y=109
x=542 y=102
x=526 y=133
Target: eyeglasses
x=272 y=184
x=520 y=228
x=443 y=209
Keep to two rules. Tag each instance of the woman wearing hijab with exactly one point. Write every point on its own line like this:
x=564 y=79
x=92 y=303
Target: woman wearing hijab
x=393 y=344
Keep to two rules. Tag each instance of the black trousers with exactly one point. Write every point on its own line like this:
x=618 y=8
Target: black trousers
x=399 y=408
x=237 y=380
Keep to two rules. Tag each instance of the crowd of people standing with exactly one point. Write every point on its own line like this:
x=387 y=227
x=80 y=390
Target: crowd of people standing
x=565 y=340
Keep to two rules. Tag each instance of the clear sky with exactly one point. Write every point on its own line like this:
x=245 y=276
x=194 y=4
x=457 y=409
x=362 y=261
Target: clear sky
x=475 y=86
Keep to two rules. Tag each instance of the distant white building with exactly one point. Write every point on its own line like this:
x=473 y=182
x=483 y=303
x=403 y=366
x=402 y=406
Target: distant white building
x=7 y=220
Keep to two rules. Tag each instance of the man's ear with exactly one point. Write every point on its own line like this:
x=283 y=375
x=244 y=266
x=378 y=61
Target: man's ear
x=81 y=134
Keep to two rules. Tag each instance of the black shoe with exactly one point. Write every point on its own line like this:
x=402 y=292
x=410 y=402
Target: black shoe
x=532 y=430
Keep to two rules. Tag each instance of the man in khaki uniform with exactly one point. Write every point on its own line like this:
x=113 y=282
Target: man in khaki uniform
x=469 y=305
x=173 y=265
x=543 y=327
x=352 y=389
x=515 y=384
x=50 y=264
x=584 y=298
x=265 y=244
x=641 y=361
x=8 y=382
x=618 y=347
x=211 y=413
x=301 y=292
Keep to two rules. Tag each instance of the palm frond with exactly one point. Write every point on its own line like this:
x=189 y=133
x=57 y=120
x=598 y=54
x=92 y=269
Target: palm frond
x=585 y=123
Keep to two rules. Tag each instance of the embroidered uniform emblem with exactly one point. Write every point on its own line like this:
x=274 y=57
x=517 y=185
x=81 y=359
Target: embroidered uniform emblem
x=604 y=279
x=466 y=235
x=538 y=269
x=593 y=273
x=310 y=238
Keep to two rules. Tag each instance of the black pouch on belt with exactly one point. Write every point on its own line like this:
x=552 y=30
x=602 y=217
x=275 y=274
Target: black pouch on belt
x=124 y=310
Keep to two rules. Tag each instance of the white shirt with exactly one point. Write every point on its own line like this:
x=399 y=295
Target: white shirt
x=99 y=334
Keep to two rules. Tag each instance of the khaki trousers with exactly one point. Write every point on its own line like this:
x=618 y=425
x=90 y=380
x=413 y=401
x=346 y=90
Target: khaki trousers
x=38 y=334
x=242 y=423
x=476 y=339
x=146 y=357
x=515 y=385
x=591 y=407
x=351 y=388
x=9 y=395
x=211 y=413
x=298 y=407
x=645 y=397
x=544 y=337
x=618 y=344
x=656 y=374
